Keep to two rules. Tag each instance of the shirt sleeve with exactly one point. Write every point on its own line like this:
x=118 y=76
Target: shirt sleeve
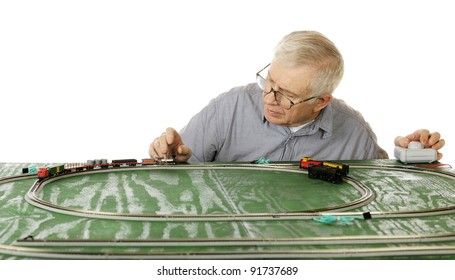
x=200 y=134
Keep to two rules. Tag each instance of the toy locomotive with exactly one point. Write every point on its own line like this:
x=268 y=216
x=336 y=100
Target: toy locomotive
x=325 y=170
x=59 y=169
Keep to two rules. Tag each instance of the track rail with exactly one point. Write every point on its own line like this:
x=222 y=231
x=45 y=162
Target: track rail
x=220 y=242
x=425 y=251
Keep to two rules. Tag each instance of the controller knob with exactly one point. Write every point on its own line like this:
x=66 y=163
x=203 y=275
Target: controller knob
x=415 y=145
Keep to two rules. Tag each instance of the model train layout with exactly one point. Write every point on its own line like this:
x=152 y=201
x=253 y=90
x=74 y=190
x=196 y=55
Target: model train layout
x=156 y=209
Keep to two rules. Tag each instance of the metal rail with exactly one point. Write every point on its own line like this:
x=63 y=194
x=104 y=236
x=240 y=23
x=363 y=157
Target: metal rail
x=425 y=251
x=220 y=242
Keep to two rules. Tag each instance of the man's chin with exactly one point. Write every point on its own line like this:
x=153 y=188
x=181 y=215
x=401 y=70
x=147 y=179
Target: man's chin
x=274 y=120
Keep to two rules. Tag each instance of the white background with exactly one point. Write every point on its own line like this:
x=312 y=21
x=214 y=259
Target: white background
x=101 y=79
x=307 y=269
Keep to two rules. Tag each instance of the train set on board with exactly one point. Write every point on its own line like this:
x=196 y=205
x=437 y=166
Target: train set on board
x=60 y=169
x=323 y=170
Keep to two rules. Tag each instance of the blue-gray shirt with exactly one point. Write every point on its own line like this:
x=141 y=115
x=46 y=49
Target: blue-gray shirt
x=232 y=127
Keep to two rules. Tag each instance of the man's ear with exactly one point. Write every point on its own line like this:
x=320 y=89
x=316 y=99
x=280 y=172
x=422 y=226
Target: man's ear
x=322 y=102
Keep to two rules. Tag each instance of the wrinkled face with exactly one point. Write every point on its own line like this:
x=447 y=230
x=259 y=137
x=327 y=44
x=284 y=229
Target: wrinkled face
x=292 y=82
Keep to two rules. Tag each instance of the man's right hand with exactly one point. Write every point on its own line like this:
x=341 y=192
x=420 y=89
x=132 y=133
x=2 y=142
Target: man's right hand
x=170 y=145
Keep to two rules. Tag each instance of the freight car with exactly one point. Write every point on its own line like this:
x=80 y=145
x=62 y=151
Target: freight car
x=124 y=162
x=30 y=170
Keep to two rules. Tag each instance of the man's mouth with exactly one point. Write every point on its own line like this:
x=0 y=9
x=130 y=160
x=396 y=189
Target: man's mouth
x=273 y=113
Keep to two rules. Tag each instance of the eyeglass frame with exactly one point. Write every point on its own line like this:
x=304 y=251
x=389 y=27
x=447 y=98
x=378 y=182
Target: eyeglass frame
x=258 y=76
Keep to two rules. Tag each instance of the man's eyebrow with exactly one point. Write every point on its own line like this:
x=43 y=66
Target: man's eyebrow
x=283 y=90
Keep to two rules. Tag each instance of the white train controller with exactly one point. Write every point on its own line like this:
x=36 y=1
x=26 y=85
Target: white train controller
x=415 y=153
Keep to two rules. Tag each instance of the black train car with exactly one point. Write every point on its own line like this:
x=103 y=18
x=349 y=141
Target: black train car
x=326 y=173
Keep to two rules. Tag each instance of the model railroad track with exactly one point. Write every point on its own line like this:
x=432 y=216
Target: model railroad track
x=26 y=245
x=367 y=195
x=32 y=196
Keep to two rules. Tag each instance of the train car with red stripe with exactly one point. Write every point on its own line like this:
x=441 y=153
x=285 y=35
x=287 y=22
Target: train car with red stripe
x=304 y=162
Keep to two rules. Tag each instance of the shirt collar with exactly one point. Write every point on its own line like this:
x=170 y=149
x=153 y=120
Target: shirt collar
x=325 y=121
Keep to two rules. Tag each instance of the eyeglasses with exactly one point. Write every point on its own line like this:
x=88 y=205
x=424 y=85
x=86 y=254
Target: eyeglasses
x=282 y=100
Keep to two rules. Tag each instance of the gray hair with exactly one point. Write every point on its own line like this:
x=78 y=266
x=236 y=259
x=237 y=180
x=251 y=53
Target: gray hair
x=311 y=48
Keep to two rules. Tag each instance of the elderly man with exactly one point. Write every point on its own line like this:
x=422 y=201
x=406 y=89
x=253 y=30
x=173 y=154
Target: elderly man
x=289 y=113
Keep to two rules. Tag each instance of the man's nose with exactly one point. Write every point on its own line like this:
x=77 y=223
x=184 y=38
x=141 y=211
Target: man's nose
x=270 y=98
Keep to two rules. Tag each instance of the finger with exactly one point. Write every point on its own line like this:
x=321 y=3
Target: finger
x=154 y=148
x=183 y=153
x=402 y=141
x=433 y=139
x=172 y=136
x=183 y=150
x=158 y=148
x=152 y=152
x=162 y=145
x=424 y=136
x=438 y=145
x=439 y=156
x=415 y=136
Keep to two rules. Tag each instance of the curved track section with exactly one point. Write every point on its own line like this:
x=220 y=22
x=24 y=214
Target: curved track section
x=32 y=196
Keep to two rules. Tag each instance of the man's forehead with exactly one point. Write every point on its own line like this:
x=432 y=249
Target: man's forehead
x=291 y=79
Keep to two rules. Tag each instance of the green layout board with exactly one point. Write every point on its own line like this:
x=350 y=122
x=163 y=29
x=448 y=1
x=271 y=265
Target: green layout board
x=229 y=211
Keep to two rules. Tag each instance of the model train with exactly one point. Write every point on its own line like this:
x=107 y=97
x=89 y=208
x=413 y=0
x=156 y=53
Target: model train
x=325 y=170
x=59 y=169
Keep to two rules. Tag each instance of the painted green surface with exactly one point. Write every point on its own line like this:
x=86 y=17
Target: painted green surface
x=222 y=191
